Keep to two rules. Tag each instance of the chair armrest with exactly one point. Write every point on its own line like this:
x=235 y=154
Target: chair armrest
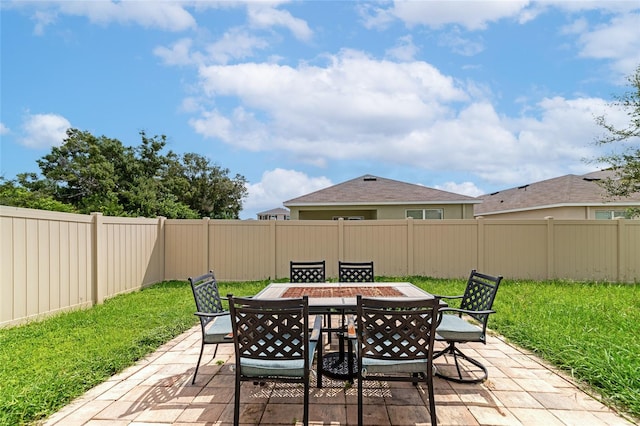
x=439 y=296
x=317 y=327
x=466 y=311
x=210 y=314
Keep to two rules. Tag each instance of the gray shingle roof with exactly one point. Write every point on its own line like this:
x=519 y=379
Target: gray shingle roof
x=568 y=190
x=370 y=189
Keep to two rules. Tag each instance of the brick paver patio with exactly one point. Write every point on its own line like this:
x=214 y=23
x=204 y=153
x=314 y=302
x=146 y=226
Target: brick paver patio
x=521 y=390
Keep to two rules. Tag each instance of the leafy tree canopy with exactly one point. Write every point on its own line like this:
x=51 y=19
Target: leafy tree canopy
x=626 y=162
x=100 y=174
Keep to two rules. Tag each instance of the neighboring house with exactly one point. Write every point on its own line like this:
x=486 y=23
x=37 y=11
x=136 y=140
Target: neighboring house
x=370 y=197
x=564 y=197
x=274 y=214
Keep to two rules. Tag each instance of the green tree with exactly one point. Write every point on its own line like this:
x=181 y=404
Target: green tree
x=209 y=189
x=100 y=174
x=626 y=162
x=12 y=194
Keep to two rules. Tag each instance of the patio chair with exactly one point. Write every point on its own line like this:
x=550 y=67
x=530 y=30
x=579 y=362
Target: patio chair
x=307 y=272
x=215 y=322
x=395 y=343
x=476 y=306
x=355 y=272
x=272 y=343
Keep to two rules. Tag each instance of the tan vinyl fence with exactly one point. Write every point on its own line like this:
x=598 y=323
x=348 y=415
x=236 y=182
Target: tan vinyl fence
x=58 y=261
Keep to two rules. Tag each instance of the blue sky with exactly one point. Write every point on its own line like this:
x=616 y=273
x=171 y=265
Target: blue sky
x=465 y=96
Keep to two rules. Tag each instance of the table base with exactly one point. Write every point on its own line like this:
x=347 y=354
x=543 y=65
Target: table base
x=336 y=368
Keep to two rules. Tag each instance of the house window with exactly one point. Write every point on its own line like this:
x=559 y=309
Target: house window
x=426 y=213
x=609 y=214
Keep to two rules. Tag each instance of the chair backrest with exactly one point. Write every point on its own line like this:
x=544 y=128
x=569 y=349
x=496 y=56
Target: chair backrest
x=307 y=272
x=275 y=329
x=397 y=329
x=355 y=272
x=479 y=295
x=206 y=295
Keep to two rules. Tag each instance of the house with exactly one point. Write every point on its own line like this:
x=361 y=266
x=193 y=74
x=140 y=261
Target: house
x=564 y=197
x=274 y=214
x=372 y=198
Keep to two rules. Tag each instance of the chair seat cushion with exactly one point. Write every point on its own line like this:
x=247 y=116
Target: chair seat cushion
x=252 y=367
x=374 y=365
x=218 y=330
x=454 y=328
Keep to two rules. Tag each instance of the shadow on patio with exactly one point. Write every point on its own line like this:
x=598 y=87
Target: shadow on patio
x=521 y=390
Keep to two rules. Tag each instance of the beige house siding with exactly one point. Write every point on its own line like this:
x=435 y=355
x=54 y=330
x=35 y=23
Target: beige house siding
x=378 y=212
x=561 y=212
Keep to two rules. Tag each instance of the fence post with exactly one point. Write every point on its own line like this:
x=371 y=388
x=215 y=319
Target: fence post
x=341 y=238
x=621 y=246
x=272 y=240
x=160 y=242
x=551 y=269
x=480 y=251
x=410 y=247
x=98 y=290
x=206 y=244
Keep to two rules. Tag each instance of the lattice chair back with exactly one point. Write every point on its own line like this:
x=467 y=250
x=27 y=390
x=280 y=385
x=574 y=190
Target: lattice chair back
x=395 y=343
x=479 y=295
x=272 y=330
x=307 y=272
x=207 y=296
x=397 y=330
x=355 y=272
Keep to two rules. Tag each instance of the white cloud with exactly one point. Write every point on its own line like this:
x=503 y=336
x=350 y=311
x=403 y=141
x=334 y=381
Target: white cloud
x=4 y=129
x=164 y=15
x=277 y=186
x=400 y=114
x=236 y=43
x=464 y=188
x=44 y=130
x=619 y=42
x=179 y=53
x=266 y=15
x=404 y=50
x=474 y=15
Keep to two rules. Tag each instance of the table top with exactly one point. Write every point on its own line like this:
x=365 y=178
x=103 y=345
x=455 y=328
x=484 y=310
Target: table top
x=323 y=296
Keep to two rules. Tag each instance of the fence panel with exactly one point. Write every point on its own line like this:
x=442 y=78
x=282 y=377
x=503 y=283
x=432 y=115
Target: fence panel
x=245 y=248
x=53 y=261
x=46 y=263
x=586 y=250
x=445 y=248
x=515 y=248
x=386 y=244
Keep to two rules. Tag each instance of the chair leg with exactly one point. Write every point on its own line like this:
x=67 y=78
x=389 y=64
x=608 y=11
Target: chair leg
x=432 y=402
x=305 y=418
x=457 y=354
x=236 y=401
x=360 y=400
x=195 y=373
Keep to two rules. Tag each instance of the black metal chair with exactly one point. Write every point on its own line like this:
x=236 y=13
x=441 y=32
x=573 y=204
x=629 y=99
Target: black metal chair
x=215 y=322
x=272 y=343
x=355 y=272
x=395 y=343
x=307 y=272
x=476 y=304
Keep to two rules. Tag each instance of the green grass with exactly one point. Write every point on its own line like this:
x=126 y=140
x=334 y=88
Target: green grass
x=589 y=329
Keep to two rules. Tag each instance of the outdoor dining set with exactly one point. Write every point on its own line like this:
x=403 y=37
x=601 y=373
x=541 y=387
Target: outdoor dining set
x=384 y=330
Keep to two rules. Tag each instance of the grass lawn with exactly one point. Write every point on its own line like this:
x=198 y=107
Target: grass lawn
x=589 y=329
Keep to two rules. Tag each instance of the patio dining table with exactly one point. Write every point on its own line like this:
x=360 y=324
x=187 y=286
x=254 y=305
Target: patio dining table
x=340 y=297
